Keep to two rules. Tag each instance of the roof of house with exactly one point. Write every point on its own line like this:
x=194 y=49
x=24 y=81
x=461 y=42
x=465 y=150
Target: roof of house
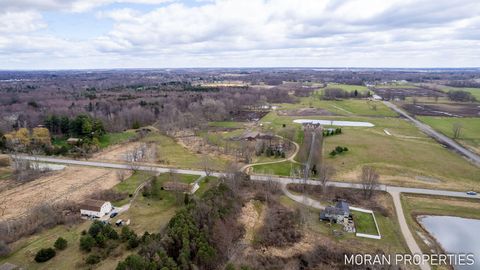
x=343 y=205
x=92 y=205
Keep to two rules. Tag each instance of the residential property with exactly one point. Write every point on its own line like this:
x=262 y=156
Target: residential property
x=95 y=208
x=336 y=213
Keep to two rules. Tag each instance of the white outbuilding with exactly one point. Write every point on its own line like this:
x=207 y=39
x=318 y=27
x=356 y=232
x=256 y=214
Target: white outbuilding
x=95 y=208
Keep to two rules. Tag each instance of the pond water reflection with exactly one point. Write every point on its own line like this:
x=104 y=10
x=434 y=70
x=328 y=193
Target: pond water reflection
x=455 y=235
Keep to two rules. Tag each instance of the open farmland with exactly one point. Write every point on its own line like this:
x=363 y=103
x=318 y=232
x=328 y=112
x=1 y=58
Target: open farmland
x=405 y=157
x=444 y=109
x=410 y=91
x=469 y=129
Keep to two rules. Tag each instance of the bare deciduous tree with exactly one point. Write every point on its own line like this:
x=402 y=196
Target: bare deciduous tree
x=206 y=164
x=324 y=174
x=121 y=174
x=369 y=179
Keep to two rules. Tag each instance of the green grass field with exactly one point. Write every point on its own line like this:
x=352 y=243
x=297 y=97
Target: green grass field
x=364 y=223
x=475 y=91
x=346 y=107
x=470 y=128
x=348 y=87
x=116 y=138
x=170 y=153
x=399 y=158
x=281 y=168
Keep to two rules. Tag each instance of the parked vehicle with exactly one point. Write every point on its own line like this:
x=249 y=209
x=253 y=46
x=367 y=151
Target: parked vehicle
x=473 y=193
x=119 y=222
x=114 y=214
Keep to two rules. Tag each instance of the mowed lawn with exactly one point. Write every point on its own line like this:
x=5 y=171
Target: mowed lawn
x=346 y=87
x=282 y=168
x=364 y=223
x=469 y=132
x=170 y=153
x=347 y=107
x=400 y=157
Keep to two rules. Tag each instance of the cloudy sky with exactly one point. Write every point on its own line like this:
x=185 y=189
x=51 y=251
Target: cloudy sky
x=78 y=34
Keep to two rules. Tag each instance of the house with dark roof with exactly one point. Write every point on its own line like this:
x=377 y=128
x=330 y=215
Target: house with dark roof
x=336 y=213
x=95 y=208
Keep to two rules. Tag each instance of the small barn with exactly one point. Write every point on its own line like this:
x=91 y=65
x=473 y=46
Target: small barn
x=95 y=208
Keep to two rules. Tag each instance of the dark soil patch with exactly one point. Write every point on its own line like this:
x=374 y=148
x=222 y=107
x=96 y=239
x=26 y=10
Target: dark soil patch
x=402 y=93
x=446 y=110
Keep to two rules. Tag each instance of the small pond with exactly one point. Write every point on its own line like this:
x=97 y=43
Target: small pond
x=455 y=235
x=334 y=123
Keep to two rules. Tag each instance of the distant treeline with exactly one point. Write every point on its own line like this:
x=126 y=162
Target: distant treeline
x=338 y=93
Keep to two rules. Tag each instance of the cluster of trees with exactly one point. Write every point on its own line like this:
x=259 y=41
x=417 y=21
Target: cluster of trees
x=23 y=139
x=338 y=93
x=330 y=132
x=338 y=150
x=81 y=126
x=46 y=254
x=460 y=95
x=103 y=239
x=199 y=235
x=171 y=106
x=261 y=148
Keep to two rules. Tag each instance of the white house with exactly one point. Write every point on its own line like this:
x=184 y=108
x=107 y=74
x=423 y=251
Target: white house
x=95 y=208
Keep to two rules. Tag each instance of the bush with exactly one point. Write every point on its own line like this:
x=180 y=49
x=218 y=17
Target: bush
x=86 y=243
x=60 y=244
x=44 y=254
x=92 y=259
x=133 y=242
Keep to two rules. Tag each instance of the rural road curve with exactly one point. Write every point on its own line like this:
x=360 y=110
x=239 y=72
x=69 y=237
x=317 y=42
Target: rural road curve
x=255 y=177
x=290 y=158
x=437 y=135
x=284 y=181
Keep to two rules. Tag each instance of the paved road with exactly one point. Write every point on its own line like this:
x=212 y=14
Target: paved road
x=283 y=180
x=393 y=190
x=436 y=135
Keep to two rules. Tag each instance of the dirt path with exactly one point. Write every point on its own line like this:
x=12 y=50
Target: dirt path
x=290 y=158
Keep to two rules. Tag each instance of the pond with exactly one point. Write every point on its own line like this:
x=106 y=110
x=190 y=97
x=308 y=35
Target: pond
x=334 y=123
x=455 y=235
